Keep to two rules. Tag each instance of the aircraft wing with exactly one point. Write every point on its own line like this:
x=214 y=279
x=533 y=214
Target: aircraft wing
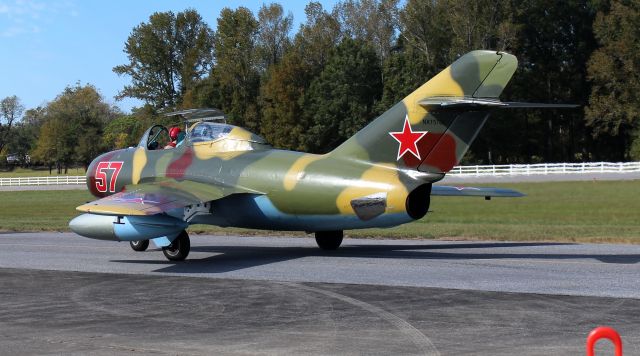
x=487 y=192
x=158 y=197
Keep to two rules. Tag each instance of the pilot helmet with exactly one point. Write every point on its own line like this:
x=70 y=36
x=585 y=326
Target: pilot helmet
x=174 y=132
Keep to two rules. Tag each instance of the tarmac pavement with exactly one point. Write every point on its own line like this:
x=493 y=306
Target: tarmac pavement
x=63 y=294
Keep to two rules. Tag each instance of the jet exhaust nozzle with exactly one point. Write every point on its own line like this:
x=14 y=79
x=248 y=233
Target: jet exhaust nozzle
x=126 y=228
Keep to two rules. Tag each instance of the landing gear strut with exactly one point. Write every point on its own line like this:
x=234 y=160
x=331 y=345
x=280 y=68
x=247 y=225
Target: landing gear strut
x=329 y=240
x=139 y=246
x=179 y=248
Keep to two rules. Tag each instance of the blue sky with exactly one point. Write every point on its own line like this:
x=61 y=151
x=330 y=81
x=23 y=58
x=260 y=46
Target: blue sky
x=48 y=45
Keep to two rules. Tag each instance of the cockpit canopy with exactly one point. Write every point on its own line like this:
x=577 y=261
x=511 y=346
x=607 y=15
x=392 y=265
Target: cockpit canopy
x=212 y=137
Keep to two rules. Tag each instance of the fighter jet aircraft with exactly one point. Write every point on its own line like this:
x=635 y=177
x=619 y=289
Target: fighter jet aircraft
x=227 y=176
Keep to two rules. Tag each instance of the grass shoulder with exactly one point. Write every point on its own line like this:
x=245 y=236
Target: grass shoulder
x=594 y=211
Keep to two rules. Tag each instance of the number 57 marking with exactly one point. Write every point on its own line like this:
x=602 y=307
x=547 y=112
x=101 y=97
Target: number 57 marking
x=101 y=176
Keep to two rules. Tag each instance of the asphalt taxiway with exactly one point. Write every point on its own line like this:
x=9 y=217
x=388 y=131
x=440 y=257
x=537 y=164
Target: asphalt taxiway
x=63 y=294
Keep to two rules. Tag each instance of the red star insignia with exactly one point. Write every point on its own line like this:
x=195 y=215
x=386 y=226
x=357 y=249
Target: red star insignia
x=408 y=139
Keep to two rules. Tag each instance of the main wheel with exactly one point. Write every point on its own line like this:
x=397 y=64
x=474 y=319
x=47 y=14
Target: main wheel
x=329 y=240
x=139 y=246
x=179 y=248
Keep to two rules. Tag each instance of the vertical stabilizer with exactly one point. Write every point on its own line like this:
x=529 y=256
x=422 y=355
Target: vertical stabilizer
x=433 y=138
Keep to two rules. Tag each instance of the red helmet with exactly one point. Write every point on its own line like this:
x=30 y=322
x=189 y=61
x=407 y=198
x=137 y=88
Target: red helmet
x=173 y=133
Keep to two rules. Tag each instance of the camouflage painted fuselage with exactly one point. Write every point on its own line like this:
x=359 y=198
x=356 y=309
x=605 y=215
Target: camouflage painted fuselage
x=372 y=180
x=292 y=190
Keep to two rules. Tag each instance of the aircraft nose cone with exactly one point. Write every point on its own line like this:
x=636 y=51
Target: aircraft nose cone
x=78 y=224
x=93 y=226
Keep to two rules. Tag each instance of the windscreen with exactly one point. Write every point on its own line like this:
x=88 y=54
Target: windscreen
x=209 y=131
x=156 y=137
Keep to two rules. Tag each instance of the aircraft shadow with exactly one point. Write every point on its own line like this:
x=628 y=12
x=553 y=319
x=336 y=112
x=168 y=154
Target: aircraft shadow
x=232 y=258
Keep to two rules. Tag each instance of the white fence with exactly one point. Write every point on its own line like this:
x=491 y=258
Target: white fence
x=488 y=170
x=51 y=180
x=545 y=168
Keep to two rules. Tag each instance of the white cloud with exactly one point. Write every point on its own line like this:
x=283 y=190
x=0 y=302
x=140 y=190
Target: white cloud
x=23 y=17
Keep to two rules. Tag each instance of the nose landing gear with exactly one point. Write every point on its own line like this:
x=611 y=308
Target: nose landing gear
x=139 y=246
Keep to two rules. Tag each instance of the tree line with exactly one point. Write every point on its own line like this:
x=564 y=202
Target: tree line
x=313 y=87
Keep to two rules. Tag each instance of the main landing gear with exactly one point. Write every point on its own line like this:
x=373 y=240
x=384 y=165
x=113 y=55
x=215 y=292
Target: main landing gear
x=177 y=251
x=179 y=248
x=329 y=240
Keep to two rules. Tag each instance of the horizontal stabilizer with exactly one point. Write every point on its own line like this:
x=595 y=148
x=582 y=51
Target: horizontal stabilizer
x=519 y=105
x=454 y=103
x=487 y=192
x=440 y=103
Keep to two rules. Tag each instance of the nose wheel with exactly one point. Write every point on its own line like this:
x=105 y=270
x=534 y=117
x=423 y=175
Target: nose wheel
x=179 y=248
x=329 y=240
x=139 y=246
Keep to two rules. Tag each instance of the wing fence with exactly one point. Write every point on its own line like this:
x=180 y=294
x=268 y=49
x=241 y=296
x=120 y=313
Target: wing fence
x=486 y=170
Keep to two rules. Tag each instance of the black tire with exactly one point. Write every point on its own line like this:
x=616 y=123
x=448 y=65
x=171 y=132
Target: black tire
x=179 y=248
x=139 y=246
x=329 y=240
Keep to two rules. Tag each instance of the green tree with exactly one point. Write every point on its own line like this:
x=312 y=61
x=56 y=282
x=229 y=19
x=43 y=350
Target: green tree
x=421 y=50
x=21 y=141
x=479 y=24
x=614 y=69
x=123 y=131
x=283 y=123
x=317 y=37
x=54 y=146
x=10 y=112
x=167 y=56
x=273 y=34
x=404 y=71
x=425 y=27
x=285 y=119
x=446 y=29
x=373 y=21
x=553 y=41
x=35 y=116
x=433 y=34
x=235 y=80
x=73 y=127
x=341 y=100
x=25 y=134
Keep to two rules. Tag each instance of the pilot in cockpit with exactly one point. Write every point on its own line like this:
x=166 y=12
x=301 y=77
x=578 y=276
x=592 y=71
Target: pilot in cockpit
x=175 y=136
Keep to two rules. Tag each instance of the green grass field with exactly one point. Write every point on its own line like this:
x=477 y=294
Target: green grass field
x=559 y=211
x=27 y=172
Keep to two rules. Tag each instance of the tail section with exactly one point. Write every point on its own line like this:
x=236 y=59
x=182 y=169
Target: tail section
x=432 y=128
